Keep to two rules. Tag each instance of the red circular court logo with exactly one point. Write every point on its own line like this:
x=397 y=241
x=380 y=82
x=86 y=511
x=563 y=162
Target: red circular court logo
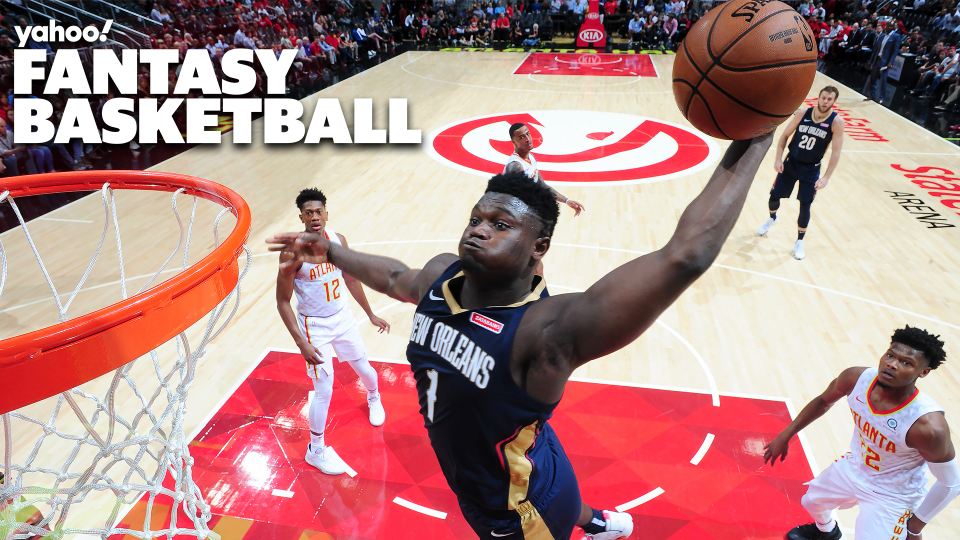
x=577 y=147
x=593 y=15
x=590 y=35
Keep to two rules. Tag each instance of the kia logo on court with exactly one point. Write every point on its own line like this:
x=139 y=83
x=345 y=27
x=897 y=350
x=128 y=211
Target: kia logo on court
x=592 y=15
x=589 y=58
x=577 y=147
x=590 y=35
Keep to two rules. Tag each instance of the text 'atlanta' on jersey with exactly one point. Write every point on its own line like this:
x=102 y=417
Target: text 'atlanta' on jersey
x=496 y=450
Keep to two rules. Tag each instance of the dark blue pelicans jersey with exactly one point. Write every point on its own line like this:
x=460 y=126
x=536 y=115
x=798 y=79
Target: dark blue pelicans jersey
x=487 y=432
x=811 y=139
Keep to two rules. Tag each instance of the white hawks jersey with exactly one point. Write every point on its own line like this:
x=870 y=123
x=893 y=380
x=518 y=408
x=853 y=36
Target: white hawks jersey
x=879 y=441
x=529 y=165
x=320 y=288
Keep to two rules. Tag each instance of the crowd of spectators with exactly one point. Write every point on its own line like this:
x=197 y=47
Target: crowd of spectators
x=862 y=38
x=332 y=35
x=644 y=23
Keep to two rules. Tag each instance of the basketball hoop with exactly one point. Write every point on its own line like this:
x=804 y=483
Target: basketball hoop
x=110 y=452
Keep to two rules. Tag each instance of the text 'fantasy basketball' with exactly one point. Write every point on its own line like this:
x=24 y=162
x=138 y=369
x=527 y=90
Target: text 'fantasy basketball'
x=744 y=68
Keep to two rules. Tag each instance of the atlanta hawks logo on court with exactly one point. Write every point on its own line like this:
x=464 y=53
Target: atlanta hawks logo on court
x=577 y=147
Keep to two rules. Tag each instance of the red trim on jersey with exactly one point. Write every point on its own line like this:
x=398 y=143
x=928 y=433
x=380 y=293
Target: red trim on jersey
x=916 y=392
x=523 y=160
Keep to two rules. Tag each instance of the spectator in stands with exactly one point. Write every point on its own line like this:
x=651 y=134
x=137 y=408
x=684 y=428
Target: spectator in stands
x=238 y=37
x=945 y=71
x=670 y=30
x=649 y=9
x=12 y=154
x=555 y=6
x=871 y=39
x=805 y=9
x=503 y=28
x=881 y=59
x=6 y=48
x=635 y=29
x=516 y=37
x=677 y=7
x=609 y=7
x=533 y=39
x=819 y=12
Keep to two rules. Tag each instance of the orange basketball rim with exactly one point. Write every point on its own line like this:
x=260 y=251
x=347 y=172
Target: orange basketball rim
x=81 y=349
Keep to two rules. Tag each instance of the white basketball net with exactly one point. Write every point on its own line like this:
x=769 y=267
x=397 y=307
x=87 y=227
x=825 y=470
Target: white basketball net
x=98 y=450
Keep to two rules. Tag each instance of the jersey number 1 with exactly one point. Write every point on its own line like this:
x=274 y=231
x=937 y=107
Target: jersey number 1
x=431 y=393
x=336 y=293
x=807 y=142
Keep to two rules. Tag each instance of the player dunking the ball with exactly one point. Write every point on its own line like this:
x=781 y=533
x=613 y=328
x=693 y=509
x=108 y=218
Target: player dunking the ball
x=900 y=433
x=813 y=131
x=491 y=350
x=324 y=324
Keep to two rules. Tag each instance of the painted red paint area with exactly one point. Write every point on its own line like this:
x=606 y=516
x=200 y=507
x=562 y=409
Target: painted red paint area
x=588 y=64
x=624 y=442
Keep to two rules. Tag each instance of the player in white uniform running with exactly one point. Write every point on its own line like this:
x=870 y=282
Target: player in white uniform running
x=523 y=161
x=900 y=433
x=324 y=327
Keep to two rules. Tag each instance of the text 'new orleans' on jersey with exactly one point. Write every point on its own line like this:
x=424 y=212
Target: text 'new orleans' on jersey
x=484 y=428
x=811 y=139
x=320 y=287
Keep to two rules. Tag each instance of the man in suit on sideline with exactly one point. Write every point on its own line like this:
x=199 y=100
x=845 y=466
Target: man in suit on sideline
x=884 y=53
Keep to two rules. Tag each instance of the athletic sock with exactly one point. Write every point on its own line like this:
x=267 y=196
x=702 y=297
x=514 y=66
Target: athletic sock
x=373 y=396
x=828 y=527
x=801 y=234
x=316 y=442
x=597 y=523
x=773 y=216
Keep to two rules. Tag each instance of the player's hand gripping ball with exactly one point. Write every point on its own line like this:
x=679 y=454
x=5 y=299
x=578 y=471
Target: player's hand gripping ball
x=744 y=68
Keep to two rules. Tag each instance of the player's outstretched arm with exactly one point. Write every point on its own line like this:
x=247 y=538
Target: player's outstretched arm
x=930 y=435
x=356 y=290
x=382 y=274
x=818 y=406
x=625 y=302
x=836 y=147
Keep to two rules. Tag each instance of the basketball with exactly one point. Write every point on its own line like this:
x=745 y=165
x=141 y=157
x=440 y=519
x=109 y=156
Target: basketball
x=744 y=68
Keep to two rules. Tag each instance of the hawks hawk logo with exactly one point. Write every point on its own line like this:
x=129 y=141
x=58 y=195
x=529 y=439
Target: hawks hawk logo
x=577 y=147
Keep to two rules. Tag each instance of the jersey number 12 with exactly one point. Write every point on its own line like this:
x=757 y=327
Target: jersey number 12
x=336 y=293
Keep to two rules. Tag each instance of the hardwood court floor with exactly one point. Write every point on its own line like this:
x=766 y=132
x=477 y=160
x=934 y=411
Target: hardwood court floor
x=759 y=322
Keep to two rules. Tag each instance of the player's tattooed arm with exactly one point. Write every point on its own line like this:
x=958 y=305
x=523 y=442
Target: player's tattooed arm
x=818 y=406
x=356 y=290
x=836 y=146
x=930 y=435
x=382 y=274
x=570 y=330
x=563 y=199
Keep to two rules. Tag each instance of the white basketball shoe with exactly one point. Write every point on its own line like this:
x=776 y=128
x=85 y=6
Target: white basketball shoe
x=770 y=222
x=619 y=525
x=377 y=414
x=798 y=253
x=326 y=460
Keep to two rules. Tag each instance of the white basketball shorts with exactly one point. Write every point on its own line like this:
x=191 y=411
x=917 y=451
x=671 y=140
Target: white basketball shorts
x=883 y=515
x=336 y=336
